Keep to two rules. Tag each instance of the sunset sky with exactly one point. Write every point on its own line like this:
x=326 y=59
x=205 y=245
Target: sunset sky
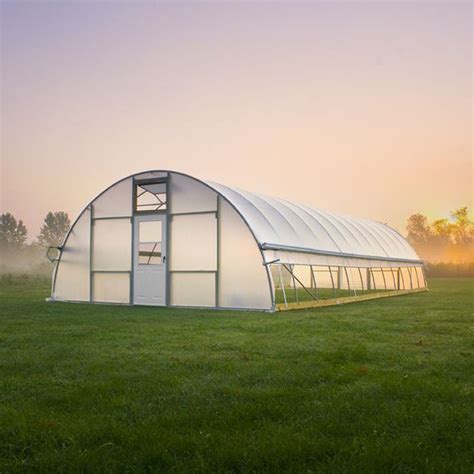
x=359 y=107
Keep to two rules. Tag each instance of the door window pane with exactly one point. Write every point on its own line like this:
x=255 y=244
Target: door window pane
x=150 y=231
x=149 y=253
x=150 y=243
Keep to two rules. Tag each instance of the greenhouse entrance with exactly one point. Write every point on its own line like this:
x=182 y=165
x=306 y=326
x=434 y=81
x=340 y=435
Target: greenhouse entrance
x=149 y=242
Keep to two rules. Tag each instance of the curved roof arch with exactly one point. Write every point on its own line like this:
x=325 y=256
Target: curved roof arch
x=278 y=224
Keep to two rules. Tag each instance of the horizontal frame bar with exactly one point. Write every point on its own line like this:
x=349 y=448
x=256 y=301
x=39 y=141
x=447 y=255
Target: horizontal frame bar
x=289 y=248
x=172 y=214
x=193 y=271
x=110 y=218
x=157 y=180
x=111 y=271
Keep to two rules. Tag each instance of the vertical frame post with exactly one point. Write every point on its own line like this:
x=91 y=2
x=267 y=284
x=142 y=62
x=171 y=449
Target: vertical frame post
x=383 y=277
x=332 y=282
x=218 y=245
x=282 y=285
x=91 y=254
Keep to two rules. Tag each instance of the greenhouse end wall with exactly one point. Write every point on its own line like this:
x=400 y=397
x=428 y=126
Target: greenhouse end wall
x=213 y=258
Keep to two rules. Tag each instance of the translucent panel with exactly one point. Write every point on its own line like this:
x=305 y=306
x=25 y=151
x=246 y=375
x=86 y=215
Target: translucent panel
x=243 y=280
x=112 y=244
x=194 y=242
x=414 y=277
x=282 y=223
x=189 y=195
x=257 y=221
x=111 y=287
x=390 y=279
x=421 y=276
x=356 y=280
x=325 y=277
x=115 y=202
x=150 y=231
x=303 y=274
x=72 y=278
x=378 y=280
x=405 y=280
x=193 y=289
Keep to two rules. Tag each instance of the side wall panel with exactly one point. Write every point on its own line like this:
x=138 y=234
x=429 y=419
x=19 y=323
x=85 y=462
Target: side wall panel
x=243 y=280
x=192 y=242
x=72 y=278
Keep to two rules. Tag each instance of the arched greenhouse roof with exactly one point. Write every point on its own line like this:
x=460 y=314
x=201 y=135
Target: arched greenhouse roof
x=278 y=224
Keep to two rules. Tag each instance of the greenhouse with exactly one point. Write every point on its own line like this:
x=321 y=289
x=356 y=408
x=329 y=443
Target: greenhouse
x=165 y=238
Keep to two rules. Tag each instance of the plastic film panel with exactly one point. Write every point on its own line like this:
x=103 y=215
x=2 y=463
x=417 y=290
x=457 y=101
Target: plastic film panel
x=194 y=242
x=193 y=289
x=189 y=195
x=112 y=244
x=72 y=278
x=243 y=280
x=421 y=277
x=115 y=202
x=111 y=287
x=303 y=274
x=390 y=278
x=405 y=279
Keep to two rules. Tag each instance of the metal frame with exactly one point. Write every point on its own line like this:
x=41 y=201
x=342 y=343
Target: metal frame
x=91 y=254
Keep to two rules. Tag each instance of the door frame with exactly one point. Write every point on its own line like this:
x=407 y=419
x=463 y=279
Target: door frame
x=166 y=214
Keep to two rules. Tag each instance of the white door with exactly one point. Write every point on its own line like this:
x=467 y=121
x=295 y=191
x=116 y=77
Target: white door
x=149 y=279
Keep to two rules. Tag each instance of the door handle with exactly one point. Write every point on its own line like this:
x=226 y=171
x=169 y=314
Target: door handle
x=164 y=258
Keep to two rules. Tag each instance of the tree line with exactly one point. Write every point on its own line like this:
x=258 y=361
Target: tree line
x=17 y=255
x=450 y=239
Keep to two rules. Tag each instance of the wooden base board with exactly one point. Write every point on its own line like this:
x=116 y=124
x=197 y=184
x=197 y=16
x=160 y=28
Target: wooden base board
x=343 y=300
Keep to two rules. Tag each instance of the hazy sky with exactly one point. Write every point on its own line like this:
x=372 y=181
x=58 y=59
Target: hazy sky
x=359 y=107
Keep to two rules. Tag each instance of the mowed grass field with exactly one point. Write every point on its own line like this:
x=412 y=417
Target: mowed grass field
x=378 y=386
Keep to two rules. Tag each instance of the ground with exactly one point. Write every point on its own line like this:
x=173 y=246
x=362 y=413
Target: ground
x=379 y=386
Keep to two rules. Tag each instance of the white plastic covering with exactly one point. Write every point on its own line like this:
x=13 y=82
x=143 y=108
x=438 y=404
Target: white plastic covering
x=230 y=234
x=116 y=201
x=243 y=280
x=111 y=287
x=112 y=245
x=193 y=242
x=193 y=289
x=189 y=195
x=72 y=275
x=282 y=224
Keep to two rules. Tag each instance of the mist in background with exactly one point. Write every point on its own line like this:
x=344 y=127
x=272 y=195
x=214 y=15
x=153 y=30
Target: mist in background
x=363 y=108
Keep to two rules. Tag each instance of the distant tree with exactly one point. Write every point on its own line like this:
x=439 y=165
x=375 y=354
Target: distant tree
x=12 y=233
x=55 y=226
x=463 y=227
x=419 y=231
x=442 y=231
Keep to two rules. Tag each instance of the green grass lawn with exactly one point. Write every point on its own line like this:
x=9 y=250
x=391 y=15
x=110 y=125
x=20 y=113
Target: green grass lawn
x=379 y=386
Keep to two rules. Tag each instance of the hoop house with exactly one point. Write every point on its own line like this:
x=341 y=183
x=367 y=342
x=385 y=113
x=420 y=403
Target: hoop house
x=164 y=238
